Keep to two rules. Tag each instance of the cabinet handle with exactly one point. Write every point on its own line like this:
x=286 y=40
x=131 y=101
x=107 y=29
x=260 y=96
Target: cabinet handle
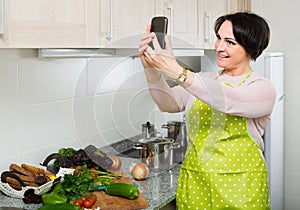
x=170 y=8
x=207 y=28
x=109 y=35
x=2 y=17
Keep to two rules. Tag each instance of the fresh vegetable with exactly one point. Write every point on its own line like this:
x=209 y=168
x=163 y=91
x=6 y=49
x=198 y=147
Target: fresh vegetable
x=139 y=171
x=122 y=189
x=59 y=160
x=117 y=163
x=67 y=152
x=55 y=196
x=60 y=206
x=77 y=185
x=86 y=201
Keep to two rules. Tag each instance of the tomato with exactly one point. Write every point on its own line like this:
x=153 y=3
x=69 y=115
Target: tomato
x=89 y=202
x=94 y=175
x=78 y=169
x=94 y=198
x=79 y=202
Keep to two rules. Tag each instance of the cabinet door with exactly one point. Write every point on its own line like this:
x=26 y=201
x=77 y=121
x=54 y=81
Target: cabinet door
x=212 y=9
x=183 y=19
x=124 y=21
x=238 y=5
x=51 y=23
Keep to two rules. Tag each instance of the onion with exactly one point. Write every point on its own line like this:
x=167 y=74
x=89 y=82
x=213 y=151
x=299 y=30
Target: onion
x=117 y=163
x=139 y=171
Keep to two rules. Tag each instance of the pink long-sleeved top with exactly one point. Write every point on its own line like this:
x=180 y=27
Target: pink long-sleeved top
x=253 y=99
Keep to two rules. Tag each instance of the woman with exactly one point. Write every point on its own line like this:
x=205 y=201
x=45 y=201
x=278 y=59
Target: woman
x=226 y=112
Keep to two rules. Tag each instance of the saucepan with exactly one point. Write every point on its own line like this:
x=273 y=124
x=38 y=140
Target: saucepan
x=157 y=152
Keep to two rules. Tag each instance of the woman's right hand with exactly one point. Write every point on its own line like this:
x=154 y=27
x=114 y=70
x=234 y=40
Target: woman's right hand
x=143 y=46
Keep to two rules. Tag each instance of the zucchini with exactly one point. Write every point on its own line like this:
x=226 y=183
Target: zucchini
x=128 y=191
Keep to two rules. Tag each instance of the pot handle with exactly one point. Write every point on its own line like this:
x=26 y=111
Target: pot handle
x=165 y=126
x=137 y=146
x=175 y=146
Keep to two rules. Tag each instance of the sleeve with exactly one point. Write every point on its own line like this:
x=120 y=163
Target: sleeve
x=253 y=99
x=168 y=99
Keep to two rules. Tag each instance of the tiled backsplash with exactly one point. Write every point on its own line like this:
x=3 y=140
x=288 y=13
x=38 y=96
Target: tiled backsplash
x=46 y=104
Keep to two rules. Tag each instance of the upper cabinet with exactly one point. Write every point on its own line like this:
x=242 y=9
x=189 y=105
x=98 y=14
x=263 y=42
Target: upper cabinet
x=183 y=24
x=50 y=23
x=123 y=21
x=211 y=10
x=238 y=5
x=109 y=23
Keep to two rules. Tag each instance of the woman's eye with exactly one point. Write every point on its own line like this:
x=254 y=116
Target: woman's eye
x=230 y=42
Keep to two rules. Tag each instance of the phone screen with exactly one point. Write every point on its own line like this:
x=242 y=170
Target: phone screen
x=159 y=26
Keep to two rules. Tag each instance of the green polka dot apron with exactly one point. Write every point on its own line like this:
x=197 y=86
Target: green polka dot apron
x=223 y=167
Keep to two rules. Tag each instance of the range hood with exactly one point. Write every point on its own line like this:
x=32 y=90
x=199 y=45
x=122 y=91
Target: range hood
x=126 y=46
x=107 y=52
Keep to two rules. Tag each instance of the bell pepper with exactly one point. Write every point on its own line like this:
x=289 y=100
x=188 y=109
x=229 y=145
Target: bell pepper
x=56 y=196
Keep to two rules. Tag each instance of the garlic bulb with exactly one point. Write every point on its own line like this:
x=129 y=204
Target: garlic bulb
x=139 y=171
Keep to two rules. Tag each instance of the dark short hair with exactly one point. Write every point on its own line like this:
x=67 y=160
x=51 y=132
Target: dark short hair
x=250 y=30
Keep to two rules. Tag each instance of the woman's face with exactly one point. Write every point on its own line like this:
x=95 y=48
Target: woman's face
x=231 y=56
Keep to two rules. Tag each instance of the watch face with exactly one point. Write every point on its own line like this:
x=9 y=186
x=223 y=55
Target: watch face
x=181 y=79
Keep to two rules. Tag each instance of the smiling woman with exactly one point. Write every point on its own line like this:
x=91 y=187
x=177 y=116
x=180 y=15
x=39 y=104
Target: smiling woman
x=226 y=115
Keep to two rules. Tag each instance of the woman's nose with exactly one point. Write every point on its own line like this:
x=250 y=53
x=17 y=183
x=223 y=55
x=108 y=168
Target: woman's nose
x=219 y=45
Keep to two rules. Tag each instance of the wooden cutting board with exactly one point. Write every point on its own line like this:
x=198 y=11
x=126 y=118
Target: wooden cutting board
x=108 y=202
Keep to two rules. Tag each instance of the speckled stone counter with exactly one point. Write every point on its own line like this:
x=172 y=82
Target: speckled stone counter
x=159 y=189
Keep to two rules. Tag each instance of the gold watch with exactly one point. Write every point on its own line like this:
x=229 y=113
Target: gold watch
x=182 y=77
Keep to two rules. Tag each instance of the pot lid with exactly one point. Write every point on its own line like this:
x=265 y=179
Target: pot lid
x=157 y=140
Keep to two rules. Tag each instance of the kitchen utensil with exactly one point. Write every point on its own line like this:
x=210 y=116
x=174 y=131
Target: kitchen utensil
x=148 y=130
x=157 y=152
x=177 y=131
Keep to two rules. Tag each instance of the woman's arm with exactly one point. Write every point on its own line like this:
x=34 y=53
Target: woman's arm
x=255 y=98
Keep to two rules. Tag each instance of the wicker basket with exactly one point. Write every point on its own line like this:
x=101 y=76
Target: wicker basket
x=6 y=188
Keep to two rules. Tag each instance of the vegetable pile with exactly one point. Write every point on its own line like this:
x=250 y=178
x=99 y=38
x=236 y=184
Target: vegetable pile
x=77 y=189
x=85 y=180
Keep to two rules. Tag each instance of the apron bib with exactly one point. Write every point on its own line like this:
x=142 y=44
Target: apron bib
x=223 y=167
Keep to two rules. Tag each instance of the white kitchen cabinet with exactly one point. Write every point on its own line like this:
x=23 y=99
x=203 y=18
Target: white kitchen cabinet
x=50 y=24
x=211 y=10
x=183 y=26
x=238 y=5
x=124 y=21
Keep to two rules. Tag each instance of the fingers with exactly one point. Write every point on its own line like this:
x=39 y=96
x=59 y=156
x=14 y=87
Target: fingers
x=168 y=45
x=148 y=28
x=144 y=44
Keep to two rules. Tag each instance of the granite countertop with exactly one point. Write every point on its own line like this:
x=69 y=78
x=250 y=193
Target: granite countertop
x=159 y=189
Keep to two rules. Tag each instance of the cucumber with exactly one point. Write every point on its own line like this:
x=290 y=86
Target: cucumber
x=128 y=191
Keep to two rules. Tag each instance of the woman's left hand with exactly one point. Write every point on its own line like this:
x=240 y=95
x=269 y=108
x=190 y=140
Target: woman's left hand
x=163 y=59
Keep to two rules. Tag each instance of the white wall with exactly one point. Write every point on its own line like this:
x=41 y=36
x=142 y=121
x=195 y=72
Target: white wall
x=46 y=104
x=284 y=17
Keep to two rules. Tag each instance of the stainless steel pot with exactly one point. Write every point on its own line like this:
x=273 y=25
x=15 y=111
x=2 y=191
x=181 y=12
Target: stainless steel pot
x=157 y=152
x=177 y=131
x=148 y=130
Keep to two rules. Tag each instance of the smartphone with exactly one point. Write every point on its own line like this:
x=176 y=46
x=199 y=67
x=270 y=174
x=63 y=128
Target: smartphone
x=159 y=25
